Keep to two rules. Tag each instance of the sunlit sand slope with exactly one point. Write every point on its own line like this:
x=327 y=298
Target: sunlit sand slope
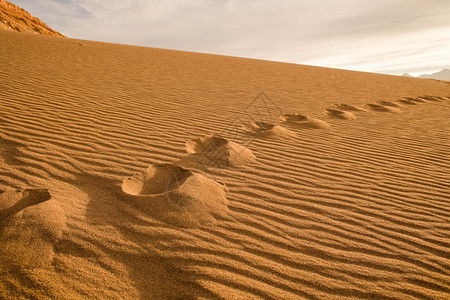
x=122 y=177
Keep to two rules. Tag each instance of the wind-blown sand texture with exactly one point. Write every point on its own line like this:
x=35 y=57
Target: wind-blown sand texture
x=359 y=210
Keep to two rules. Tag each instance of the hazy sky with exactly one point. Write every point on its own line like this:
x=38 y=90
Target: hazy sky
x=384 y=36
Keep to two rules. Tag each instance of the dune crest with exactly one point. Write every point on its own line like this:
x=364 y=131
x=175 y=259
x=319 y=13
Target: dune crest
x=176 y=195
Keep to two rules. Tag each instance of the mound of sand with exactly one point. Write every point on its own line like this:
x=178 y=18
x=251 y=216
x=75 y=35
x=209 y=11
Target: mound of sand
x=213 y=151
x=176 y=195
x=418 y=99
x=388 y=103
x=30 y=224
x=382 y=108
x=13 y=201
x=340 y=114
x=408 y=101
x=304 y=122
x=349 y=107
x=263 y=129
x=431 y=98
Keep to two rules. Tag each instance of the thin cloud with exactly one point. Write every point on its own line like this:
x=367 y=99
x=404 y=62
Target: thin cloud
x=377 y=36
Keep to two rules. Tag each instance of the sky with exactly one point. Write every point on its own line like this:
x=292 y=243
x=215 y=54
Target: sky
x=381 y=36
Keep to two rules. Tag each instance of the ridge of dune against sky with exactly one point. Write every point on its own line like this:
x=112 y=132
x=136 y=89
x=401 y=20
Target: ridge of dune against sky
x=387 y=36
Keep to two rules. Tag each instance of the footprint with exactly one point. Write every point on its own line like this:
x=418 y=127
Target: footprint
x=304 y=122
x=176 y=195
x=418 y=100
x=411 y=101
x=340 y=114
x=263 y=129
x=382 y=108
x=213 y=151
x=388 y=103
x=9 y=150
x=431 y=98
x=31 y=223
x=348 y=107
x=13 y=201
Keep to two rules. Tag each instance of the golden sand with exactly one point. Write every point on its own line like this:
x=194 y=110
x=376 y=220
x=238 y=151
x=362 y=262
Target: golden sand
x=354 y=204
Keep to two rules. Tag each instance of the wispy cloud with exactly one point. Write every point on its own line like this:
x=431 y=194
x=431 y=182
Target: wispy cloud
x=390 y=36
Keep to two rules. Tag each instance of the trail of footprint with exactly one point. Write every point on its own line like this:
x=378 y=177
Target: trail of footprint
x=340 y=114
x=264 y=129
x=302 y=121
x=176 y=195
x=382 y=108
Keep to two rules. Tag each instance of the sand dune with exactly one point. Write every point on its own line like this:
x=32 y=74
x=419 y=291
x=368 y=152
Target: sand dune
x=360 y=211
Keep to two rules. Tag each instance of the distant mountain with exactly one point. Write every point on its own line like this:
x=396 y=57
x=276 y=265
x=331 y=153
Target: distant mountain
x=441 y=75
x=406 y=75
x=15 y=18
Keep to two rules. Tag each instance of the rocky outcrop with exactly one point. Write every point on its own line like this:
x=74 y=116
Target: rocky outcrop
x=15 y=18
